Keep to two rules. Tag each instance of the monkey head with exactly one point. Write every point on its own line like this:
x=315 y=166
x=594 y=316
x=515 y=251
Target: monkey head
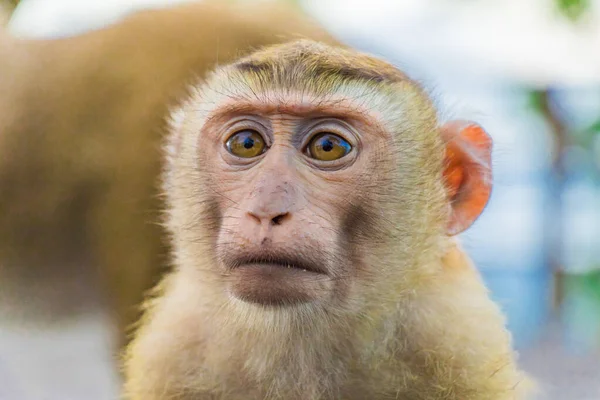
x=311 y=196
x=301 y=172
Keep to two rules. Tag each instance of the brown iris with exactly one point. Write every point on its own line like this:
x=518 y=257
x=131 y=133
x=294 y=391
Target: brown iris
x=246 y=144
x=328 y=147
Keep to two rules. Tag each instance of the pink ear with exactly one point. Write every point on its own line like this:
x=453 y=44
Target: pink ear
x=467 y=172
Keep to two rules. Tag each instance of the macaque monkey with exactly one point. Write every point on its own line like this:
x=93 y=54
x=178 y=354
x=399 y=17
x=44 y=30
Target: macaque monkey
x=312 y=202
x=80 y=135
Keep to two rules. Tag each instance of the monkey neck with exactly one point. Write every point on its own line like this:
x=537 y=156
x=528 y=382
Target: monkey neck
x=293 y=349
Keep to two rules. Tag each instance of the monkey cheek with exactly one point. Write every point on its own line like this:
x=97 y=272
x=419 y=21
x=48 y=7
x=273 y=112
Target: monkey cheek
x=278 y=285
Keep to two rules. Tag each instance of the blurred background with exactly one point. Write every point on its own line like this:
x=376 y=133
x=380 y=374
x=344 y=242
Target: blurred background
x=529 y=72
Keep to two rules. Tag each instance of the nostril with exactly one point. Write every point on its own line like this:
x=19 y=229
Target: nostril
x=278 y=220
x=254 y=217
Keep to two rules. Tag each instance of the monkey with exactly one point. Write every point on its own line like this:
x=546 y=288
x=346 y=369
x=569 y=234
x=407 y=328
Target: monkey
x=313 y=199
x=80 y=137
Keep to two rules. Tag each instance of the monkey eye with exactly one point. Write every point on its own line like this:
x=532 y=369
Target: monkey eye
x=246 y=143
x=328 y=147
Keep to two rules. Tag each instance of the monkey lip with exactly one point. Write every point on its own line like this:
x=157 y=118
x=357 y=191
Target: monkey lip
x=279 y=263
x=278 y=282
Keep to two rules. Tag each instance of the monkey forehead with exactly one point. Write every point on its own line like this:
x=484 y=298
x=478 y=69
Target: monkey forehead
x=306 y=77
x=285 y=63
x=388 y=105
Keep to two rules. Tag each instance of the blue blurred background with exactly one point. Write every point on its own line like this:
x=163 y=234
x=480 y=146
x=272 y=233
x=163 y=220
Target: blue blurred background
x=529 y=72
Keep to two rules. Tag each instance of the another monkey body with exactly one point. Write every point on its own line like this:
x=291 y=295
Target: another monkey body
x=311 y=199
x=80 y=135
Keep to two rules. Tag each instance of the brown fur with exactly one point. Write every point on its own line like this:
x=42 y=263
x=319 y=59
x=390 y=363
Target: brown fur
x=4 y=16
x=402 y=314
x=80 y=133
x=6 y=7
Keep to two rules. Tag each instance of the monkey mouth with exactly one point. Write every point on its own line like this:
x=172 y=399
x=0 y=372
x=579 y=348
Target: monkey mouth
x=287 y=263
x=277 y=281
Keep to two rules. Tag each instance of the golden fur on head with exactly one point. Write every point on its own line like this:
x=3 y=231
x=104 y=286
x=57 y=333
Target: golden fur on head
x=414 y=320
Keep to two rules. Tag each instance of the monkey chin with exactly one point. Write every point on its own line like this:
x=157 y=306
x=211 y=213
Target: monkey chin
x=279 y=284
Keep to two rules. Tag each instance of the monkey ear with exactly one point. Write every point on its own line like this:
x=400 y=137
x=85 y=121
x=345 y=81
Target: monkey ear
x=467 y=172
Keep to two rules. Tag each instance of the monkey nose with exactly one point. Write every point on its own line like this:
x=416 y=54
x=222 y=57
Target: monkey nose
x=268 y=219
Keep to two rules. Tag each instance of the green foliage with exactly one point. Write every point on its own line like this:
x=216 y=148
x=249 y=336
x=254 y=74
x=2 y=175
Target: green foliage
x=573 y=9
x=584 y=283
x=594 y=128
x=586 y=136
x=582 y=309
x=535 y=100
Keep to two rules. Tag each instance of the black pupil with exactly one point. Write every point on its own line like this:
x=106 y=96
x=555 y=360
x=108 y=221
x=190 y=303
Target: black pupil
x=327 y=145
x=248 y=143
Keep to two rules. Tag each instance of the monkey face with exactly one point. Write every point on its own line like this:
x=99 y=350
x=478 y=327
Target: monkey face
x=290 y=197
x=297 y=197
